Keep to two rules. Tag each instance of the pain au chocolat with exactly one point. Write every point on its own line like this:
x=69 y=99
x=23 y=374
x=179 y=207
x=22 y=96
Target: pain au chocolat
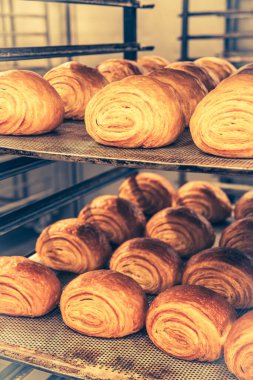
x=244 y=206
x=152 y=62
x=117 y=69
x=218 y=68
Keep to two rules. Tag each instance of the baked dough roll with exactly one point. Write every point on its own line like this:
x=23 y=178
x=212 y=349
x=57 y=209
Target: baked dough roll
x=76 y=84
x=27 y=289
x=118 y=218
x=73 y=246
x=28 y=104
x=150 y=262
x=152 y=62
x=190 y=322
x=104 y=304
x=244 y=206
x=138 y=111
x=238 y=350
x=151 y=192
x=226 y=271
x=218 y=68
x=190 y=89
x=239 y=235
x=116 y=69
x=180 y=227
x=246 y=69
x=205 y=199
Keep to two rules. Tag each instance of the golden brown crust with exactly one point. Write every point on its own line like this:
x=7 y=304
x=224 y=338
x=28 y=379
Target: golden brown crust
x=116 y=69
x=181 y=228
x=105 y=304
x=153 y=264
x=152 y=62
x=244 y=206
x=226 y=271
x=29 y=104
x=190 y=322
x=151 y=192
x=205 y=199
x=27 y=289
x=246 y=69
x=218 y=68
x=73 y=246
x=239 y=235
x=138 y=111
x=76 y=84
x=238 y=350
x=118 y=218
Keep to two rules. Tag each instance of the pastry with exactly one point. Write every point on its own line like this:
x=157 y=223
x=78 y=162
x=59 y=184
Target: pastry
x=190 y=322
x=246 y=69
x=244 y=207
x=218 y=68
x=190 y=89
x=180 y=227
x=150 y=262
x=28 y=105
x=152 y=62
x=116 y=69
x=27 y=288
x=118 y=218
x=205 y=199
x=239 y=235
x=104 y=304
x=238 y=350
x=73 y=246
x=150 y=191
x=76 y=84
x=138 y=111
x=226 y=271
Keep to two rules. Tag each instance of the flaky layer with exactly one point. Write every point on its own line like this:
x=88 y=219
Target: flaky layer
x=116 y=69
x=244 y=206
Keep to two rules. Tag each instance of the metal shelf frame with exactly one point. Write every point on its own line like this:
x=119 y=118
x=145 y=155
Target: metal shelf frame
x=109 y=3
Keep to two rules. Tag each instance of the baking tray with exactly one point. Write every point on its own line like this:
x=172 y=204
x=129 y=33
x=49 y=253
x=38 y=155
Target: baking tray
x=70 y=142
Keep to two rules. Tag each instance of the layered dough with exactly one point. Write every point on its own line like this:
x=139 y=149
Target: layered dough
x=73 y=246
x=116 y=69
x=27 y=288
x=138 y=111
x=150 y=262
x=151 y=192
x=181 y=228
x=205 y=199
x=190 y=322
x=239 y=235
x=118 y=218
x=76 y=84
x=226 y=271
x=152 y=62
x=244 y=206
x=218 y=68
x=29 y=105
x=104 y=304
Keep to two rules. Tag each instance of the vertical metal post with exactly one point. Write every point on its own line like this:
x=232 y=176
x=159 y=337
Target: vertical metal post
x=228 y=29
x=68 y=27
x=236 y=25
x=185 y=27
x=130 y=30
x=47 y=32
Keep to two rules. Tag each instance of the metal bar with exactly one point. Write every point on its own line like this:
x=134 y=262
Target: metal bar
x=20 y=165
x=29 y=15
x=130 y=31
x=228 y=29
x=185 y=25
x=218 y=36
x=17 y=218
x=112 y=3
x=228 y=13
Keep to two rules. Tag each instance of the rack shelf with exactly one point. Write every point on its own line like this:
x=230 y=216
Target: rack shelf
x=112 y=3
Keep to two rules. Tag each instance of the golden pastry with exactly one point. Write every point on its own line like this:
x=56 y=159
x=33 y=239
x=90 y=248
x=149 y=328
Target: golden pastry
x=246 y=69
x=205 y=199
x=150 y=191
x=244 y=206
x=27 y=289
x=116 y=69
x=150 y=262
x=238 y=350
x=239 y=235
x=152 y=62
x=180 y=227
x=226 y=271
x=218 y=68
x=73 y=246
x=76 y=84
x=190 y=322
x=104 y=304
x=138 y=111
x=118 y=218
x=28 y=104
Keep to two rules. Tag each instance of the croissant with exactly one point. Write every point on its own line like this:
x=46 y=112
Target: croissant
x=73 y=246
x=118 y=218
x=104 y=304
x=150 y=262
x=205 y=199
x=152 y=62
x=181 y=228
x=27 y=288
x=190 y=322
x=222 y=122
x=76 y=84
x=244 y=207
x=138 y=111
x=29 y=105
x=149 y=191
x=117 y=69
x=246 y=69
x=238 y=350
x=218 y=68
x=190 y=89
x=226 y=271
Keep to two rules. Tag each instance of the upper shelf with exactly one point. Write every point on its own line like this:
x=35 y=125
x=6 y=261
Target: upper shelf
x=112 y=3
x=70 y=142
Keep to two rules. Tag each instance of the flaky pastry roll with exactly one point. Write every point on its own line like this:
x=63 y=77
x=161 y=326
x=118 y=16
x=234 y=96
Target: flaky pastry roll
x=104 y=304
x=29 y=105
x=239 y=235
x=116 y=69
x=218 y=68
x=244 y=206
x=152 y=62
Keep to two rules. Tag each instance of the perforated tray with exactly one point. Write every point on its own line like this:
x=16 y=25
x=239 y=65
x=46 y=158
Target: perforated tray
x=71 y=143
